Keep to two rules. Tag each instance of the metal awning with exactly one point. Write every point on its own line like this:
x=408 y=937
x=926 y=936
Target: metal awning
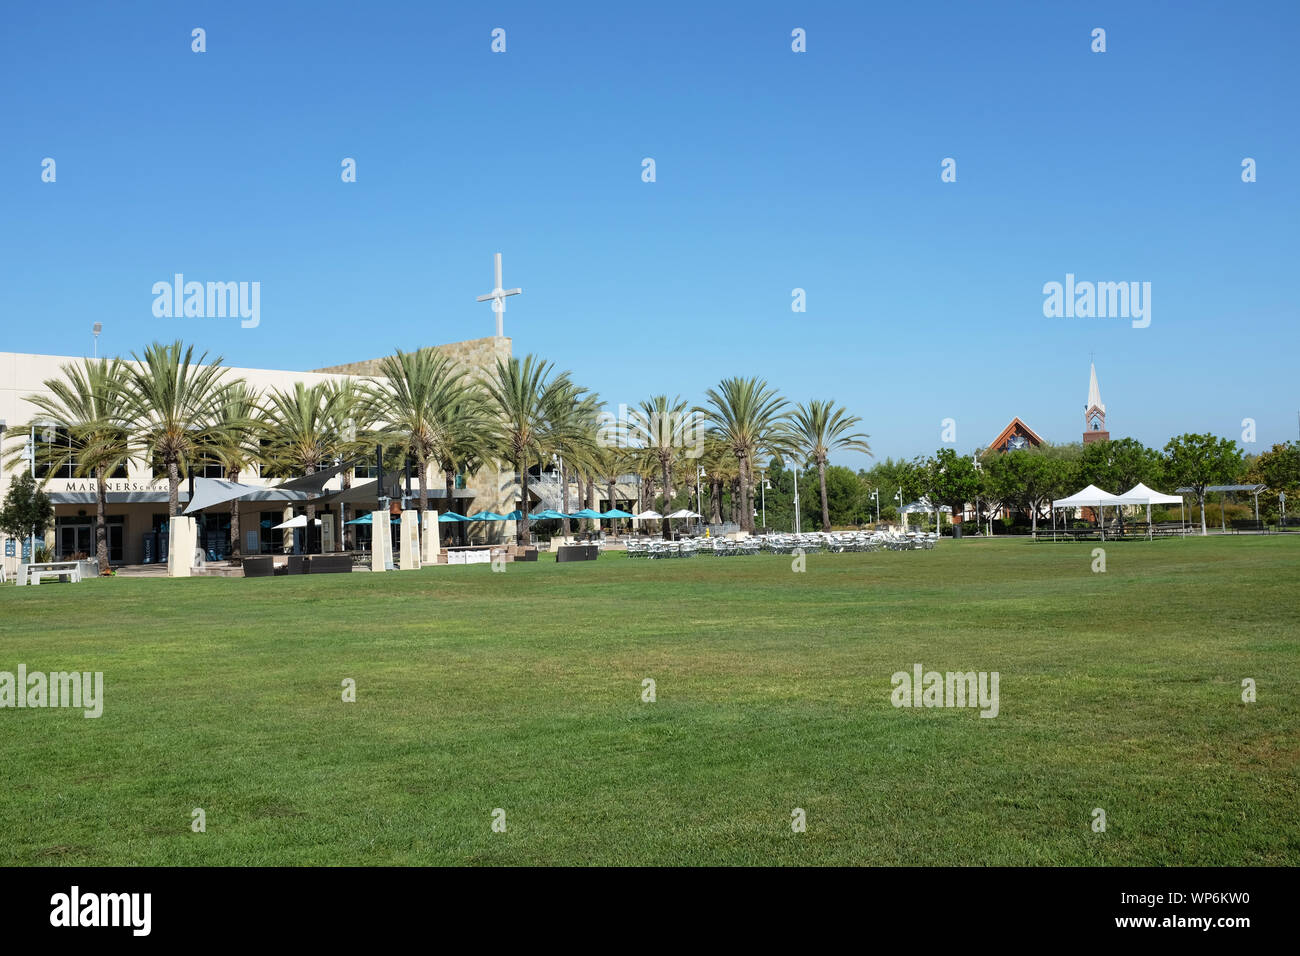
x=1249 y=489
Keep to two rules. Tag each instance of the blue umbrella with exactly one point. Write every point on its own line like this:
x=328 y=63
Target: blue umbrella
x=487 y=516
x=451 y=516
x=515 y=515
x=369 y=519
x=585 y=513
x=616 y=513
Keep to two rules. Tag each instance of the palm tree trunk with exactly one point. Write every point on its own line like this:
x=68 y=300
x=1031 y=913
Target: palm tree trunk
x=311 y=517
x=345 y=509
x=235 y=549
x=746 y=515
x=449 y=486
x=715 y=501
x=521 y=536
x=564 y=481
x=423 y=465
x=101 y=520
x=173 y=488
x=821 y=480
x=592 y=523
x=663 y=463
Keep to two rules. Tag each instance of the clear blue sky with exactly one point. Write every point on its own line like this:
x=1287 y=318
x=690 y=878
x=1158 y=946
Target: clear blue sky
x=775 y=170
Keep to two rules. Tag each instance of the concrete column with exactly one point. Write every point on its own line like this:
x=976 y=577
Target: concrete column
x=183 y=539
x=431 y=543
x=379 y=541
x=409 y=552
x=326 y=533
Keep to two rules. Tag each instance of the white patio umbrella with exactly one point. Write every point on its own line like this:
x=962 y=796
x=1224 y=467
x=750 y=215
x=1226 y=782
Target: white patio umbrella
x=647 y=515
x=683 y=513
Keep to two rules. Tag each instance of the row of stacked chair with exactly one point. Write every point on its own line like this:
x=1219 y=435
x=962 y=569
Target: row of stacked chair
x=814 y=542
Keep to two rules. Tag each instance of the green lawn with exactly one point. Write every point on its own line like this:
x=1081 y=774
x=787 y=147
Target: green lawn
x=522 y=691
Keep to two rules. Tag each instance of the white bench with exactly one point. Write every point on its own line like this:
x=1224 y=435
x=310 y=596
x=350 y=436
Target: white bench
x=32 y=573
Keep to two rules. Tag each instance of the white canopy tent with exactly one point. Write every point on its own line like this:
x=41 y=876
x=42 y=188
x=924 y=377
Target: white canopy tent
x=1141 y=494
x=920 y=505
x=1090 y=497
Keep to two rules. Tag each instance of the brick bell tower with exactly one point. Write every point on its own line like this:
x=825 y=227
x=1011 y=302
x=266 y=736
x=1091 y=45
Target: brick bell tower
x=1094 y=415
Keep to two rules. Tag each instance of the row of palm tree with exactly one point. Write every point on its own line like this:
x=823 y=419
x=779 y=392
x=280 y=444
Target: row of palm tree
x=176 y=410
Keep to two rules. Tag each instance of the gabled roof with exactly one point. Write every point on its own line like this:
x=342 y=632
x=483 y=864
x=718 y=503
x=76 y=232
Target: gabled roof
x=1016 y=426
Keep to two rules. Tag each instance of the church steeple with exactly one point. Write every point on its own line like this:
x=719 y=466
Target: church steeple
x=1094 y=414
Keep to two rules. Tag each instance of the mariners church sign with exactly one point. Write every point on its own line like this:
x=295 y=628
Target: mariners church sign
x=123 y=485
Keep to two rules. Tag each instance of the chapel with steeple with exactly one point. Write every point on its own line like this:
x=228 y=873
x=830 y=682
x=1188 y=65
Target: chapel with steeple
x=1094 y=414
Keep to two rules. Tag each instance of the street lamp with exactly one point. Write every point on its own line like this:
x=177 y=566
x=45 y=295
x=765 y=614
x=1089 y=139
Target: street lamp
x=95 y=330
x=763 y=493
x=699 y=500
x=875 y=493
x=796 y=498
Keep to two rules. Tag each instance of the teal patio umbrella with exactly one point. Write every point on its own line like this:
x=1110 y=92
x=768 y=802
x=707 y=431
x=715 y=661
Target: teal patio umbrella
x=451 y=516
x=368 y=519
x=617 y=513
x=488 y=516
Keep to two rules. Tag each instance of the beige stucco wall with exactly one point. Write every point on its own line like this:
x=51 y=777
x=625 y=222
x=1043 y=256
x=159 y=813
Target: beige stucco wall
x=23 y=374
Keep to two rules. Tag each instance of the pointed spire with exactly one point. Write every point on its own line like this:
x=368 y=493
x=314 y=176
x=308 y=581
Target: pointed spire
x=1094 y=392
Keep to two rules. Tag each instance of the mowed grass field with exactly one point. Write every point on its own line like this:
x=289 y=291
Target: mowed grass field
x=522 y=691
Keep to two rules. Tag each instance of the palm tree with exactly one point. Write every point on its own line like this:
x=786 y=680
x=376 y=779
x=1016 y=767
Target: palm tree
x=663 y=426
x=816 y=430
x=171 y=401
x=88 y=404
x=460 y=444
x=573 y=417
x=721 y=469
x=746 y=414
x=415 y=399
x=300 y=428
x=353 y=440
x=526 y=393
x=235 y=446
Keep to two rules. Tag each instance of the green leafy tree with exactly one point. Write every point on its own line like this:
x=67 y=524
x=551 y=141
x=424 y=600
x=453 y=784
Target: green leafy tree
x=951 y=480
x=26 y=510
x=1197 y=461
x=818 y=429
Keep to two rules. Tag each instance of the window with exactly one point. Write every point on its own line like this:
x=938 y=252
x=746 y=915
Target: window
x=55 y=457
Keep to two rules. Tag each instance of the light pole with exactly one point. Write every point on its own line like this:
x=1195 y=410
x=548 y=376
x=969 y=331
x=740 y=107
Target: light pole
x=898 y=496
x=763 y=493
x=95 y=330
x=796 y=499
x=699 y=500
x=875 y=493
